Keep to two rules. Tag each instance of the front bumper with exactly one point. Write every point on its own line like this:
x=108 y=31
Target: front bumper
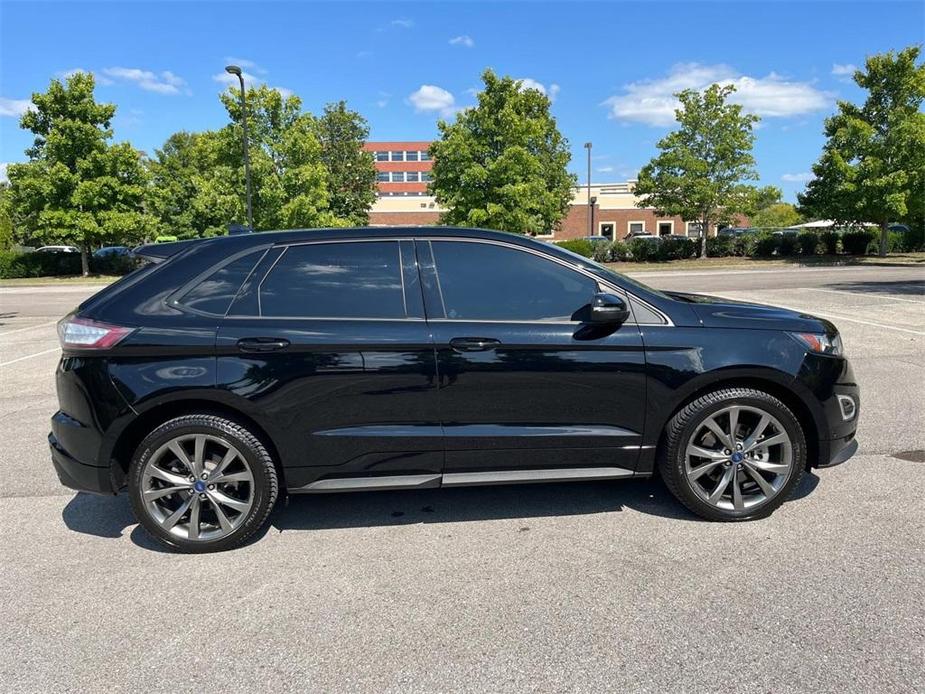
x=76 y=475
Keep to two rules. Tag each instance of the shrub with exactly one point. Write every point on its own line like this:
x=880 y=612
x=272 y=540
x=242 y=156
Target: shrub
x=744 y=245
x=619 y=251
x=720 y=246
x=829 y=241
x=856 y=241
x=788 y=245
x=765 y=245
x=13 y=264
x=579 y=246
x=914 y=239
x=113 y=264
x=643 y=250
x=808 y=242
x=600 y=252
x=676 y=249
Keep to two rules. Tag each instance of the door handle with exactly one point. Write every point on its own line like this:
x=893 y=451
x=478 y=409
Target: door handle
x=262 y=344
x=474 y=344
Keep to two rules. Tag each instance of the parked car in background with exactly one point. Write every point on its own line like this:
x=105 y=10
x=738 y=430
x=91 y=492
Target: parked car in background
x=112 y=252
x=737 y=231
x=230 y=370
x=597 y=239
x=57 y=249
x=166 y=238
x=643 y=237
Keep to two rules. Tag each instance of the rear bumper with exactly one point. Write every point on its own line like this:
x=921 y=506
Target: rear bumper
x=76 y=475
x=840 y=450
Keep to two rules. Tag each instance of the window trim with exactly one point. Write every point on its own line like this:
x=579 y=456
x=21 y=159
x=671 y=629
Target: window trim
x=687 y=229
x=603 y=285
x=287 y=246
x=631 y=222
x=658 y=224
x=600 y=229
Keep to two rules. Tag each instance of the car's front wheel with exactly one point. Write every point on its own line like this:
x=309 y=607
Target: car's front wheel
x=201 y=483
x=733 y=454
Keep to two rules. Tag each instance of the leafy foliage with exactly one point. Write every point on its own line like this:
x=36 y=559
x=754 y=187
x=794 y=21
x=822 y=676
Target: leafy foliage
x=699 y=171
x=502 y=164
x=872 y=167
x=777 y=215
x=77 y=188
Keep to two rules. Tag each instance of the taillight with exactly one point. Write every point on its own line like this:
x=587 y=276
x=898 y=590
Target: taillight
x=83 y=333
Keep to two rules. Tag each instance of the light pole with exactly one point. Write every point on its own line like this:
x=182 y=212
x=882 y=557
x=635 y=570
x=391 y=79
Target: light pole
x=590 y=204
x=235 y=70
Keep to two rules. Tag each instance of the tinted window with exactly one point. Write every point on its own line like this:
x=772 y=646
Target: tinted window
x=483 y=281
x=215 y=292
x=336 y=280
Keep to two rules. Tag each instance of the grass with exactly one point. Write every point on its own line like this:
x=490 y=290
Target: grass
x=52 y=281
x=770 y=263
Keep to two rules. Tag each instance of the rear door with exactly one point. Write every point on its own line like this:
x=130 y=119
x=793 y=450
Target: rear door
x=328 y=341
x=525 y=384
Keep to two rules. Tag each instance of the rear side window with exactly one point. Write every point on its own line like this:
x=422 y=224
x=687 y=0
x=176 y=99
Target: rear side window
x=335 y=280
x=481 y=281
x=215 y=293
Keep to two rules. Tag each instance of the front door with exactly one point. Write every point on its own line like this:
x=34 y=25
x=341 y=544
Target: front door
x=525 y=385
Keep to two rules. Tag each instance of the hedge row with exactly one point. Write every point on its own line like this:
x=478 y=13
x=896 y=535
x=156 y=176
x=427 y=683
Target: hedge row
x=16 y=265
x=762 y=245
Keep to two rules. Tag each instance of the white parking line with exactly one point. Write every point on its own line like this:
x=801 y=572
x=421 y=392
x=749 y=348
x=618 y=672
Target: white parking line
x=826 y=314
x=31 y=327
x=29 y=356
x=863 y=294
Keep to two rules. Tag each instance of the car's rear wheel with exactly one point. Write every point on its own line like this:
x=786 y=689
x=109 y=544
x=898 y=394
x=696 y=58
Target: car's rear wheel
x=202 y=483
x=733 y=454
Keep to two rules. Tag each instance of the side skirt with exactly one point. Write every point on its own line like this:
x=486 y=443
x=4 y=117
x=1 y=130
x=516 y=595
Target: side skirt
x=461 y=479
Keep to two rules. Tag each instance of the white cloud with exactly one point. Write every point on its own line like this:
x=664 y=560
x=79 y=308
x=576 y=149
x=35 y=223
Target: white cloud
x=3 y=177
x=245 y=64
x=251 y=79
x=383 y=99
x=100 y=79
x=14 y=107
x=804 y=177
x=402 y=23
x=604 y=169
x=429 y=98
x=529 y=83
x=164 y=83
x=653 y=102
x=463 y=40
x=844 y=73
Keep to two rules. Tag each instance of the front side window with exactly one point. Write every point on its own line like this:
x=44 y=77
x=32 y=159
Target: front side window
x=214 y=293
x=481 y=281
x=335 y=280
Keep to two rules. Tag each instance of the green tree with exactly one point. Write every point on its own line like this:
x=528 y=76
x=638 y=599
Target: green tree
x=6 y=218
x=872 y=167
x=351 y=171
x=699 y=171
x=778 y=214
x=502 y=164
x=77 y=188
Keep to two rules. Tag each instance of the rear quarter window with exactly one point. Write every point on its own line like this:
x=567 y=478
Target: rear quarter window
x=214 y=293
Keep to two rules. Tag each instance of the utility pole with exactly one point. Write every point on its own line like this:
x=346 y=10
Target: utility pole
x=590 y=203
x=235 y=70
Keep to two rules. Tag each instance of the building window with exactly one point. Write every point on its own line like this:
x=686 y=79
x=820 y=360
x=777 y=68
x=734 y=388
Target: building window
x=398 y=177
x=398 y=156
x=426 y=177
x=606 y=230
x=665 y=228
x=694 y=229
x=382 y=156
x=425 y=156
x=412 y=176
x=636 y=227
x=382 y=176
x=411 y=156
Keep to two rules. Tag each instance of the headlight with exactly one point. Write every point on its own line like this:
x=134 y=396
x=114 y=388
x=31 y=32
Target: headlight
x=821 y=343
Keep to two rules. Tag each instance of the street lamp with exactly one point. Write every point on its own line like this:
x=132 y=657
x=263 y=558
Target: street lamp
x=235 y=70
x=590 y=204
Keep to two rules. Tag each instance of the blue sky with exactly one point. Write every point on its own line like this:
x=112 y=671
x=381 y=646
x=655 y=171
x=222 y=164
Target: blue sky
x=610 y=67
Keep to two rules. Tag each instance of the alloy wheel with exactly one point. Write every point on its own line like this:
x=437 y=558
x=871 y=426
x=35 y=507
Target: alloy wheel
x=738 y=458
x=198 y=487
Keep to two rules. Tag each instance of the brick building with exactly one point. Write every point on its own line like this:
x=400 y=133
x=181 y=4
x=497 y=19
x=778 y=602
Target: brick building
x=403 y=172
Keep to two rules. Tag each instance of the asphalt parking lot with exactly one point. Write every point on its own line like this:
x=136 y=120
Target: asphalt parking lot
x=583 y=587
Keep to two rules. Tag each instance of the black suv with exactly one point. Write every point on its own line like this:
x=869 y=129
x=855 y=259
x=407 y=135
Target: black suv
x=227 y=371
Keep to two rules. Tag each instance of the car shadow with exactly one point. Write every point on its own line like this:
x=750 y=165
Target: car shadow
x=111 y=516
x=898 y=287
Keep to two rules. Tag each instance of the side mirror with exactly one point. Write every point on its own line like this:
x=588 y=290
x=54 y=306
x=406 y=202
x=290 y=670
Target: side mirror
x=608 y=308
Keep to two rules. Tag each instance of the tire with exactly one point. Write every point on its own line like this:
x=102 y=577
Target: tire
x=202 y=483
x=695 y=460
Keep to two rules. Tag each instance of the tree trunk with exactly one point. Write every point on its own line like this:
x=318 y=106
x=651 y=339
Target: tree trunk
x=884 y=238
x=84 y=260
x=704 y=226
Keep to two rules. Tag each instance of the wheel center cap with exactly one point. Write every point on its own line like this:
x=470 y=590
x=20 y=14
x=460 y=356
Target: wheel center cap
x=736 y=457
x=199 y=486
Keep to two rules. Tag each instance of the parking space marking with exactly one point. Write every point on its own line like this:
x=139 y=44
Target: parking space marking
x=29 y=356
x=31 y=327
x=826 y=314
x=872 y=296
